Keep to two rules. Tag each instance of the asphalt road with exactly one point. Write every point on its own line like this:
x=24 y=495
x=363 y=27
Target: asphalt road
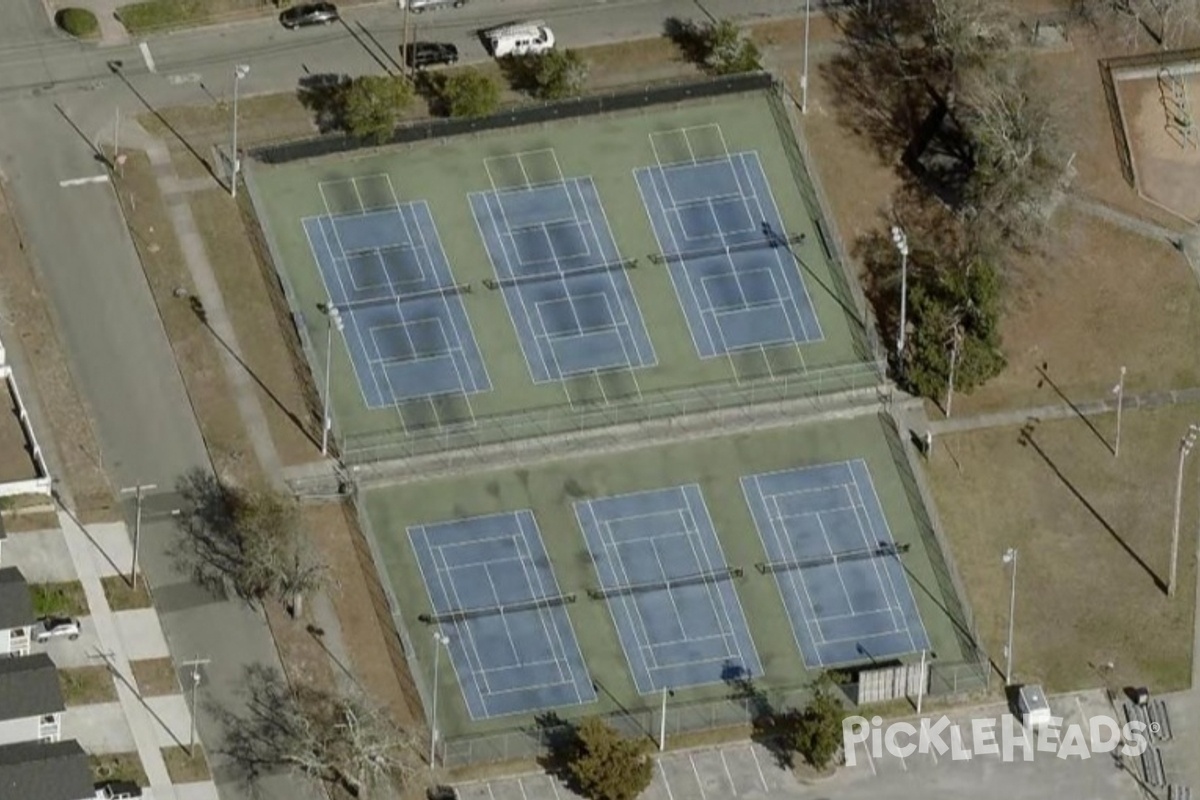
x=56 y=95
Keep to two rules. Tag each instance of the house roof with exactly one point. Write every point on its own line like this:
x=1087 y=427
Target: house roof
x=29 y=688
x=16 y=608
x=57 y=771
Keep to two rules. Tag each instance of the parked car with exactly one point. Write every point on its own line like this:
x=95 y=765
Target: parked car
x=519 y=39
x=418 y=6
x=55 y=627
x=118 y=790
x=431 y=54
x=306 y=14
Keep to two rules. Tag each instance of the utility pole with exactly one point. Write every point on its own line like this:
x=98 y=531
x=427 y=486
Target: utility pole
x=921 y=685
x=804 y=75
x=1010 y=558
x=440 y=640
x=335 y=321
x=138 y=492
x=1119 y=391
x=1185 y=448
x=239 y=72
x=195 y=664
x=900 y=240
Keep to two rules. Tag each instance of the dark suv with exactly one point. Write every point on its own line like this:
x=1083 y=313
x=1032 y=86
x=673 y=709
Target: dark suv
x=306 y=14
x=431 y=54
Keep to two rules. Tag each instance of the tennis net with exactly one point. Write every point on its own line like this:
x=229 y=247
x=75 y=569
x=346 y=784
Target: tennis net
x=392 y=299
x=518 y=280
x=763 y=243
x=878 y=551
x=667 y=583
x=502 y=610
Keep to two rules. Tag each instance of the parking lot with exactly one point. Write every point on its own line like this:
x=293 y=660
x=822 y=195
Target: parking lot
x=749 y=771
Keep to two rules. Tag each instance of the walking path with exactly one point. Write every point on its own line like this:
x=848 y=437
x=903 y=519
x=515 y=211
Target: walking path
x=115 y=654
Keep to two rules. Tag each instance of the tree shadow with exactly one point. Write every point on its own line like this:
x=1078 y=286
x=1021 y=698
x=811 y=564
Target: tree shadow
x=690 y=37
x=882 y=72
x=431 y=87
x=521 y=73
x=210 y=549
x=324 y=95
x=1028 y=439
x=561 y=747
x=770 y=727
x=255 y=737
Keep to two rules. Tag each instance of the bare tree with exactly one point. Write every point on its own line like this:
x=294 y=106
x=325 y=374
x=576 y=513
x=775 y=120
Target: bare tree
x=1168 y=23
x=967 y=34
x=250 y=540
x=1019 y=156
x=348 y=740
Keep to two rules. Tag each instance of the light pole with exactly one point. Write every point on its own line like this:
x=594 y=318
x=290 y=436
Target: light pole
x=804 y=75
x=239 y=72
x=900 y=240
x=195 y=664
x=137 y=525
x=335 y=321
x=1010 y=558
x=439 y=640
x=1119 y=391
x=1185 y=448
x=662 y=719
x=956 y=333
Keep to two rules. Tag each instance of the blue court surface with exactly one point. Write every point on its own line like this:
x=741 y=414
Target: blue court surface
x=511 y=642
x=823 y=528
x=717 y=225
x=386 y=272
x=563 y=284
x=669 y=590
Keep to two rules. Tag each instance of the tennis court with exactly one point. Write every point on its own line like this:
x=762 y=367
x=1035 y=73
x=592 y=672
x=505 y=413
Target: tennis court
x=668 y=587
x=835 y=563
x=384 y=270
x=497 y=601
x=718 y=227
x=562 y=277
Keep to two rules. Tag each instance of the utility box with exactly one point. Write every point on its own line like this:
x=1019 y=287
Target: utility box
x=1032 y=706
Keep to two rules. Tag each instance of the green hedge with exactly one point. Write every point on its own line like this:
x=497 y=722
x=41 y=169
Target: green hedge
x=153 y=15
x=78 y=22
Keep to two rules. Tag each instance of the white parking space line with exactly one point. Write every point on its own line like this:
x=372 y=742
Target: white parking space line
x=521 y=784
x=663 y=771
x=83 y=181
x=149 y=59
x=728 y=774
x=699 y=782
x=758 y=766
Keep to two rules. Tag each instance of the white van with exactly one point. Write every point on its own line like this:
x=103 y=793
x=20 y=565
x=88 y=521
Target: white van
x=520 y=39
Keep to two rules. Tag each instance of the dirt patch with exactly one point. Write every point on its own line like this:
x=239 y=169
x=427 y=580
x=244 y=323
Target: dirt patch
x=155 y=676
x=82 y=686
x=16 y=451
x=183 y=767
x=363 y=614
x=1093 y=537
x=118 y=767
x=122 y=596
x=28 y=319
x=270 y=353
x=1166 y=161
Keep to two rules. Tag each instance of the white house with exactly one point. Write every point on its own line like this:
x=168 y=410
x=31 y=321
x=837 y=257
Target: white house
x=32 y=771
x=31 y=701
x=16 y=613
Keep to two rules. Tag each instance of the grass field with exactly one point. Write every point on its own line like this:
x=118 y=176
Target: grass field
x=716 y=465
x=442 y=173
x=1093 y=539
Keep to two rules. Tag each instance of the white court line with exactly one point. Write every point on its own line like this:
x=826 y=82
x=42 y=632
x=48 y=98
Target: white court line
x=149 y=59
